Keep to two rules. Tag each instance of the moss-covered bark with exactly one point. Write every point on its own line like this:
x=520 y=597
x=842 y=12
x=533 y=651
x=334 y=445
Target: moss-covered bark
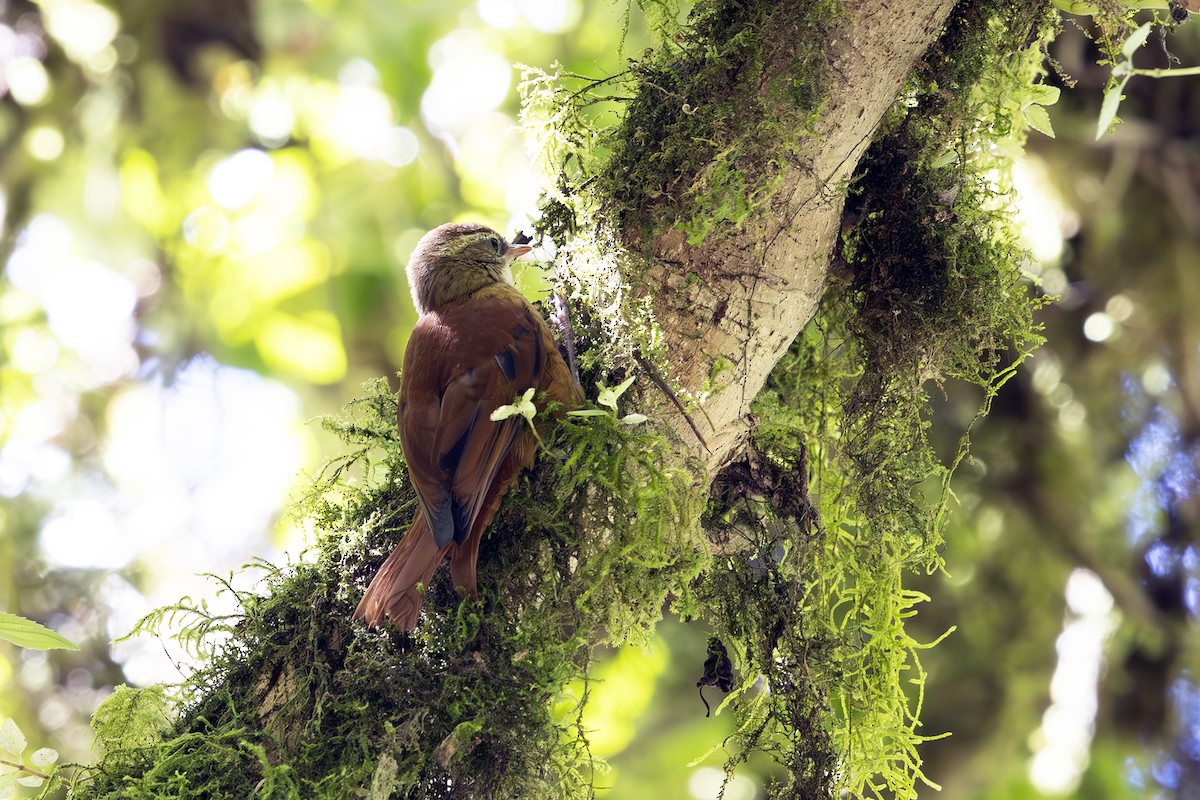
x=698 y=250
x=296 y=701
x=734 y=282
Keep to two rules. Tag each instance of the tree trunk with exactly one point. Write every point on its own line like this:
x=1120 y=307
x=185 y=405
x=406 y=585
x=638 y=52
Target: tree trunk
x=761 y=283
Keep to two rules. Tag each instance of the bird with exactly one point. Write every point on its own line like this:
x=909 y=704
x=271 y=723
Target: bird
x=477 y=345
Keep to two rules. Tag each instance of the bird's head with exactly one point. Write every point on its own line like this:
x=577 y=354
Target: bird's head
x=455 y=260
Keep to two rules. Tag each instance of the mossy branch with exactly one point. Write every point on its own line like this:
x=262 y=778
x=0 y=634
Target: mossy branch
x=697 y=236
x=724 y=201
x=295 y=701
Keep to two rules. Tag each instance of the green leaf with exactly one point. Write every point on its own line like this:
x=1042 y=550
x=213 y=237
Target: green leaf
x=1135 y=40
x=589 y=412
x=29 y=634
x=44 y=757
x=11 y=738
x=945 y=159
x=1043 y=95
x=1039 y=119
x=1076 y=7
x=1108 y=109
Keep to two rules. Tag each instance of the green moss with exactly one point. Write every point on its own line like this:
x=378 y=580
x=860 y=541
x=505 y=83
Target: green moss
x=706 y=118
x=712 y=112
x=294 y=700
x=719 y=366
x=818 y=524
x=842 y=496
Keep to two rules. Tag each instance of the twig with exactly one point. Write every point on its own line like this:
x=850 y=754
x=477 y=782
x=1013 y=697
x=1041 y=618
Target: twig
x=665 y=389
x=24 y=768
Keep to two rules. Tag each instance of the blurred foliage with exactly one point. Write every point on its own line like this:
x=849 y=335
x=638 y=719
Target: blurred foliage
x=190 y=188
x=1086 y=469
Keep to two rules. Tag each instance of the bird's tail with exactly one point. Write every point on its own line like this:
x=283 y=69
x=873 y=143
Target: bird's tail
x=393 y=593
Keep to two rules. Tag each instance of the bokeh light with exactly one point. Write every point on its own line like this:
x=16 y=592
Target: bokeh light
x=1061 y=745
x=27 y=80
x=83 y=28
x=44 y=143
x=89 y=306
x=236 y=180
x=469 y=79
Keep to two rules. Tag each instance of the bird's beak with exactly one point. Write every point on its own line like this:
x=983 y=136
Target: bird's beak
x=516 y=251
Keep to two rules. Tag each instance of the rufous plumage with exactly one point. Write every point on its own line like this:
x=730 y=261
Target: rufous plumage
x=478 y=344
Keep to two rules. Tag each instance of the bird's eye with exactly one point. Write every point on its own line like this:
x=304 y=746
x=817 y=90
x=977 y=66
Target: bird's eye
x=495 y=243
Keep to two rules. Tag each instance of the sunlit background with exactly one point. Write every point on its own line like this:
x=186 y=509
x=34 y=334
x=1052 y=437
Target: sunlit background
x=206 y=208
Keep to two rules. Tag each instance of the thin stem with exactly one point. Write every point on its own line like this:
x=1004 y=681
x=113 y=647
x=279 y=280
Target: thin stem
x=24 y=768
x=1167 y=73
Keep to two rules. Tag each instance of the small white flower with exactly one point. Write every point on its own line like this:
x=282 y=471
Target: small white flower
x=522 y=406
x=609 y=395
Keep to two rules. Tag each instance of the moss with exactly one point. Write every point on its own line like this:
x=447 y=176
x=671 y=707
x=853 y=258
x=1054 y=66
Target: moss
x=294 y=700
x=706 y=118
x=842 y=496
x=756 y=603
x=818 y=524
x=714 y=108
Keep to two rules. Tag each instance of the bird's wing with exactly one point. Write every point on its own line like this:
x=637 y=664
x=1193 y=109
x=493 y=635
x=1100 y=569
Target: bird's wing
x=474 y=357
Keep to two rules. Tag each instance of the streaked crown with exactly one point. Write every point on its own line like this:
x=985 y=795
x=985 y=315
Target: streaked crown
x=455 y=260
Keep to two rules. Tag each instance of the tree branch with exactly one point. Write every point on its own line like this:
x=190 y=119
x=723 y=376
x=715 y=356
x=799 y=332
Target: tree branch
x=761 y=283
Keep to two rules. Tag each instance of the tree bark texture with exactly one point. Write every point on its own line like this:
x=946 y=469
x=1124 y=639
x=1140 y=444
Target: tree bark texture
x=761 y=284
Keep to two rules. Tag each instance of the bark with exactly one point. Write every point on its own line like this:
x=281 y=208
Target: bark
x=761 y=284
